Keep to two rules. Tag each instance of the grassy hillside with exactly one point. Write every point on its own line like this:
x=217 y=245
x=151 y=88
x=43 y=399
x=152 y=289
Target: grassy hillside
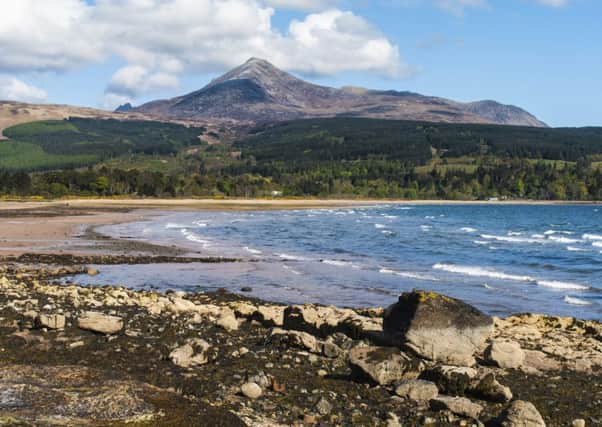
x=82 y=142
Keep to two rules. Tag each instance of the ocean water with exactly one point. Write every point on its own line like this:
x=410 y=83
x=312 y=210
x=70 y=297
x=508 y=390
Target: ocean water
x=503 y=259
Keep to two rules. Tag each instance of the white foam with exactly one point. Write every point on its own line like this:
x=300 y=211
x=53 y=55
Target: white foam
x=390 y=216
x=575 y=301
x=511 y=239
x=597 y=244
x=429 y=217
x=561 y=285
x=200 y=224
x=563 y=239
x=193 y=237
x=480 y=242
x=515 y=233
x=486 y=286
x=379 y=226
x=575 y=249
x=425 y=227
x=408 y=274
x=291 y=257
x=252 y=251
x=551 y=232
x=474 y=271
x=292 y=270
x=468 y=229
x=387 y=232
x=338 y=263
x=589 y=236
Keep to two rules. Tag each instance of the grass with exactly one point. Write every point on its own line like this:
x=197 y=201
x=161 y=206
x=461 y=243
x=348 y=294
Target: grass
x=37 y=128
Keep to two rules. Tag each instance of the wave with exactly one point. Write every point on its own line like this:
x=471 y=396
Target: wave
x=589 y=236
x=390 y=216
x=252 y=251
x=486 y=286
x=561 y=285
x=338 y=263
x=481 y=272
x=480 y=242
x=172 y=226
x=575 y=249
x=575 y=301
x=552 y=232
x=511 y=239
x=292 y=257
x=429 y=217
x=597 y=244
x=379 y=226
x=193 y=237
x=426 y=227
x=408 y=274
x=388 y=232
x=292 y=270
x=563 y=239
x=515 y=233
x=468 y=230
x=200 y=224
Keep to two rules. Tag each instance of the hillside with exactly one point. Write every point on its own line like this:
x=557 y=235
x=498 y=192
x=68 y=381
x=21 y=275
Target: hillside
x=259 y=92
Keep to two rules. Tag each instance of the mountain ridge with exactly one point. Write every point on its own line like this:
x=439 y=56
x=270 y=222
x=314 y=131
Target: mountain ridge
x=257 y=91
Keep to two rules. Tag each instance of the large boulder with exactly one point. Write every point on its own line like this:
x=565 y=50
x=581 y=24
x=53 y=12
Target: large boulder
x=458 y=405
x=437 y=327
x=521 y=414
x=505 y=354
x=383 y=365
x=99 y=322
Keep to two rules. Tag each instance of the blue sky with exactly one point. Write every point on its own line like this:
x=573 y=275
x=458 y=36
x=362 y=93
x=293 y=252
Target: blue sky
x=543 y=55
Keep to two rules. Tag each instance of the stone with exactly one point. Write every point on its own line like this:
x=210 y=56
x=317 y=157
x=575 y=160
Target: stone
x=437 y=327
x=418 y=390
x=246 y=289
x=251 y=390
x=458 y=405
x=227 y=321
x=51 y=321
x=452 y=380
x=99 y=322
x=392 y=420
x=521 y=414
x=488 y=388
x=92 y=272
x=505 y=354
x=270 y=315
x=578 y=423
x=305 y=341
x=323 y=407
x=182 y=356
x=383 y=365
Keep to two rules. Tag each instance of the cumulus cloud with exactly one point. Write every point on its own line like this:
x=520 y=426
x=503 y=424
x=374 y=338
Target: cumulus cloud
x=161 y=39
x=13 y=89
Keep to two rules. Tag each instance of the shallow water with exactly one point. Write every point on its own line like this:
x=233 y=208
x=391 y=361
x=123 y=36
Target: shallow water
x=503 y=259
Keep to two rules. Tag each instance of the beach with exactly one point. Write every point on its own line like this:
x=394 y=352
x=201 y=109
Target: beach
x=110 y=355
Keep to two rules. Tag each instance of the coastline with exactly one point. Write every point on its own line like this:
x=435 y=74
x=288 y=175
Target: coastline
x=175 y=358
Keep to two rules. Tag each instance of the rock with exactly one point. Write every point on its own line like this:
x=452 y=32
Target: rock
x=182 y=356
x=383 y=365
x=323 y=407
x=193 y=353
x=452 y=380
x=92 y=272
x=488 y=388
x=51 y=321
x=458 y=405
x=392 y=420
x=251 y=390
x=578 y=423
x=418 y=390
x=521 y=414
x=99 y=322
x=228 y=321
x=505 y=354
x=305 y=341
x=246 y=289
x=437 y=327
x=270 y=315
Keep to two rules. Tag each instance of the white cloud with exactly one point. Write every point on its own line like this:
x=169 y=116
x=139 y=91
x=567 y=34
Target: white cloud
x=457 y=7
x=161 y=39
x=13 y=89
x=302 y=4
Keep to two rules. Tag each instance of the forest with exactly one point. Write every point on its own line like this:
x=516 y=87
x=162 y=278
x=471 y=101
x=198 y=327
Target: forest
x=340 y=157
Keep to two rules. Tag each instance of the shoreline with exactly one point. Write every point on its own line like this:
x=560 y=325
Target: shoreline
x=170 y=358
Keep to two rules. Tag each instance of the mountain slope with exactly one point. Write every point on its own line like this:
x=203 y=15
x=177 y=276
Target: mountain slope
x=259 y=92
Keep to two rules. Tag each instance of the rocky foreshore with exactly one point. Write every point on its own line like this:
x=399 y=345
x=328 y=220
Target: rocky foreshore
x=109 y=356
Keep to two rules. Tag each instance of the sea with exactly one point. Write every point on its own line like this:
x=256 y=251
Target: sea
x=503 y=259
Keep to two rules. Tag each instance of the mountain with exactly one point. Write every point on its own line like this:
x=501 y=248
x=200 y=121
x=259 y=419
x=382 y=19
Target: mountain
x=259 y=92
x=124 y=108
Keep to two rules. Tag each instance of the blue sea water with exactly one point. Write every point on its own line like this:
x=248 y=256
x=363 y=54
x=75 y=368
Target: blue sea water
x=502 y=258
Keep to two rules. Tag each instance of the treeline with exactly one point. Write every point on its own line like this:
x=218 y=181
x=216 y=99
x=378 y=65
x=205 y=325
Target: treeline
x=374 y=178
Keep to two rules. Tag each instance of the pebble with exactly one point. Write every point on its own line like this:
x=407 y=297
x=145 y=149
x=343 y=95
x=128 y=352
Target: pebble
x=251 y=390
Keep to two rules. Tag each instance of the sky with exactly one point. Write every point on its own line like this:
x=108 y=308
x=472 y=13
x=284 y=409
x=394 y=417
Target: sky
x=542 y=55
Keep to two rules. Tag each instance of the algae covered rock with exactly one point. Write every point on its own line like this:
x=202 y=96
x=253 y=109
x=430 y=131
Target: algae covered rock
x=521 y=414
x=99 y=322
x=383 y=365
x=437 y=327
